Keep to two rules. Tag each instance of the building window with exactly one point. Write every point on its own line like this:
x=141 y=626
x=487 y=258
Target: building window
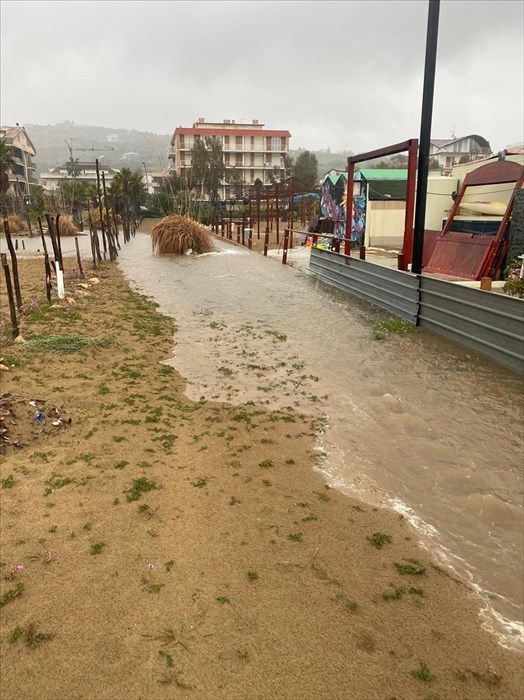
x=182 y=141
x=226 y=159
x=252 y=143
x=252 y=159
x=226 y=143
x=276 y=144
x=238 y=159
x=268 y=159
x=238 y=143
x=268 y=143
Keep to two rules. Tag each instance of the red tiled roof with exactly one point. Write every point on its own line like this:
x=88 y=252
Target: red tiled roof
x=189 y=131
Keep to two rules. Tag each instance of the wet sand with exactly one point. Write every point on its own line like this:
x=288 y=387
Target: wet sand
x=165 y=547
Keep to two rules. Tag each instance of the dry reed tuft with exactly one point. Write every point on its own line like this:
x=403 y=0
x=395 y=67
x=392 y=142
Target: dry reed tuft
x=66 y=226
x=176 y=235
x=16 y=224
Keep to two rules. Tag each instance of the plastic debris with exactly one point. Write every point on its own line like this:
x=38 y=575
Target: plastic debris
x=57 y=422
x=39 y=417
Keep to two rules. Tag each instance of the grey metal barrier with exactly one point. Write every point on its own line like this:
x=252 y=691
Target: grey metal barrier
x=391 y=289
x=490 y=323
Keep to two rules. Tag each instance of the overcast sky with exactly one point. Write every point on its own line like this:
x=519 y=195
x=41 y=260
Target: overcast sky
x=338 y=75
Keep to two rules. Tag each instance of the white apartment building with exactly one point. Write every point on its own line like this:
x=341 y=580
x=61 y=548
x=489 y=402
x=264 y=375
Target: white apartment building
x=22 y=151
x=51 y=178
x=251 y=152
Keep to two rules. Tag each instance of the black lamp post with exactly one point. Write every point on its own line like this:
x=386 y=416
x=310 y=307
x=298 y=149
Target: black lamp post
x=232 y=203
x=245 y=202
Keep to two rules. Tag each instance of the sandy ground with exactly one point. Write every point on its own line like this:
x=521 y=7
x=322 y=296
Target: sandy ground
x=154 y=547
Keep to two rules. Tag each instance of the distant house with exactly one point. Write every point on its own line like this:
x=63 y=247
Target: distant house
x=22 y=176
x=450 y=152
x=51 y=178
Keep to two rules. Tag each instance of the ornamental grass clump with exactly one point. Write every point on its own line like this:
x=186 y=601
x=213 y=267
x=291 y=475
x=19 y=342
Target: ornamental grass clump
x=178 y=235
x=15 y=222
x=66 y=226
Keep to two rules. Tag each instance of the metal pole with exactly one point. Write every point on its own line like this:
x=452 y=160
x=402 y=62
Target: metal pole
x=425 y=134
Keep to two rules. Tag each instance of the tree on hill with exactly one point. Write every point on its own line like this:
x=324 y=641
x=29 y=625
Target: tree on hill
x=305 y=172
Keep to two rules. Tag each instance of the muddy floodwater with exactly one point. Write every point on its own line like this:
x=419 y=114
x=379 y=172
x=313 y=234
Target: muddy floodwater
x=411 y=422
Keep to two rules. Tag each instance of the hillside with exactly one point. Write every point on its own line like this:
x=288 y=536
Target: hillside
x=124 y=148
x=116 y=147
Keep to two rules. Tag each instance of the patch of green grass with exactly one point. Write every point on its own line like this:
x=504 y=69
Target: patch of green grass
x=118 y=438
x=16 y=634
x=169 y=565
x=275 y=334
x=382 y=329
x=32 y=638
x=8 y=482
x=398 y=592
x=223 y=599
x=86 y=457
x=11 y=594
x=166 y=370
x=56 y=482
x=139 y=486
x=379 y=539
x=65 y=344
x=290 y=461
x=199 y=484
x=422 y=673
x=120 y=465
x=143 y=508
x=310 y=518
x=226 y=371
x=411 y=568
x=103 y=389
x=295 y=537
x=266 y=463
x=87 y=527
x=153 y=587
x=169 y=659
x=116 y=501
x=252 y=575
x=233 y=501
x=266 y=482
x=97 y=548
x=53 y=528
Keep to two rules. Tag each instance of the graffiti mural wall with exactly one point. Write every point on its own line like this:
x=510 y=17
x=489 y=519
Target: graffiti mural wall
x=333 y=205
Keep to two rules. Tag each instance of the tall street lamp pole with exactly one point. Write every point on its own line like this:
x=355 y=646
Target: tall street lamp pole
x=425 y=135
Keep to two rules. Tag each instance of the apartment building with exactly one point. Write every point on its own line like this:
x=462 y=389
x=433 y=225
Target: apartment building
x=22 y=150
x=52 y=178
x=251 y=152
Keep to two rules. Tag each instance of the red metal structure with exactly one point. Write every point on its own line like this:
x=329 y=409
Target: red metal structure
x=411 y=146
x=473 y=256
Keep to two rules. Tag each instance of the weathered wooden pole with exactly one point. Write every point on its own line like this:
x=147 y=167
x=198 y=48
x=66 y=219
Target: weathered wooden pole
x=59 y=242
x=9 y=287
x=47 y=265
x=78 y=258
x=276 y=213
x=100 y=211
x=51 y=231
x=14 y=263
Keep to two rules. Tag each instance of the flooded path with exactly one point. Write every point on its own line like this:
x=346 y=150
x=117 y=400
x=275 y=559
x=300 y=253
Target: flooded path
x=412 y=422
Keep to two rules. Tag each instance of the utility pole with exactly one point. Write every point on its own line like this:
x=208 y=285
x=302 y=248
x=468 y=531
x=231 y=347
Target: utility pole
x=425 y=135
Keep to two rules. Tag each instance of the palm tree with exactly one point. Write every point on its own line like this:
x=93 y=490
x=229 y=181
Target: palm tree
x=73 y=167
x=128 y=192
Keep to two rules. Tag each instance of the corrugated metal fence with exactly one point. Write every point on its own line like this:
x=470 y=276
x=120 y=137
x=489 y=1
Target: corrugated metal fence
x=492 y=324
x=393 y=290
